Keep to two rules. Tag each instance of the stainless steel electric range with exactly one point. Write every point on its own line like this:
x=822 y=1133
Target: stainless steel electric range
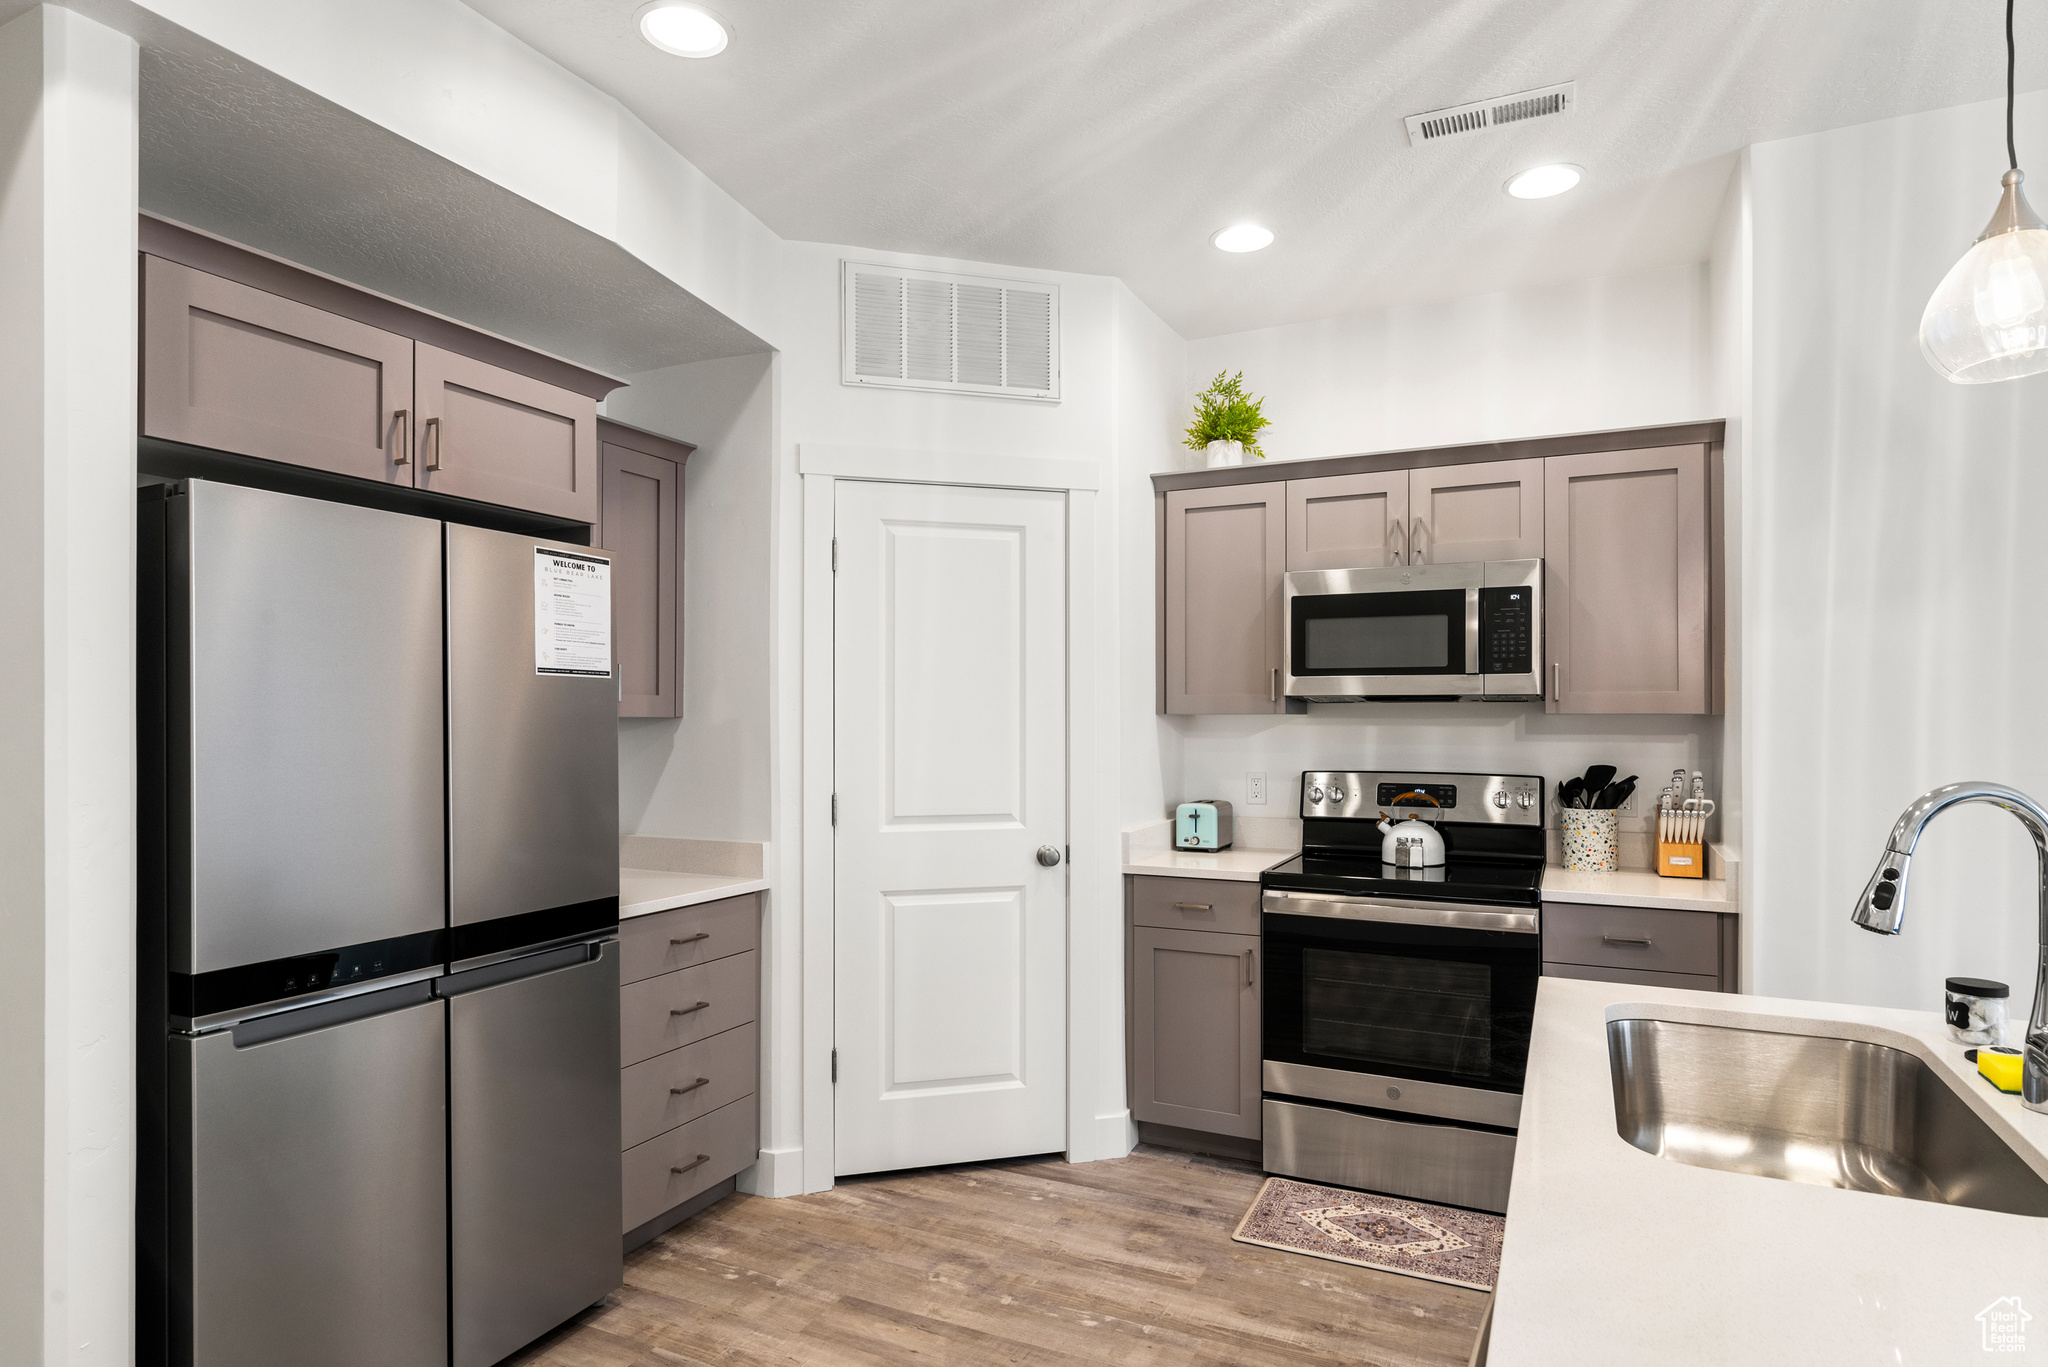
x=1397 y=1001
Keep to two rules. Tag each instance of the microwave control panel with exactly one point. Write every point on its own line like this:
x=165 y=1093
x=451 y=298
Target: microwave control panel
x=1507 y=634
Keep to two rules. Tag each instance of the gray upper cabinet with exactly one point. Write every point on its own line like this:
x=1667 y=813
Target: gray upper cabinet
x=1627 y=610
x=1342 y=522
x=498 y=437
x=640 y=481
x=1195 y=1030
x=1492 y=510
x=1226 y=549
x=238 y=369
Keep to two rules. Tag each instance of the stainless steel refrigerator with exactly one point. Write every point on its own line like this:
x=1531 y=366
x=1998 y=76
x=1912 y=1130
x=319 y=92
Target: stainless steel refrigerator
x=378 y=914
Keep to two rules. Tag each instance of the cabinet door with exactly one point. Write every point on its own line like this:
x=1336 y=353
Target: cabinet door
x=236 y=369
x=1225 y=553
x=499 y=437
x=1626 y=580
x=641 y=525
x=1195 y=1030
x=1347 y=522
x=1489 y=511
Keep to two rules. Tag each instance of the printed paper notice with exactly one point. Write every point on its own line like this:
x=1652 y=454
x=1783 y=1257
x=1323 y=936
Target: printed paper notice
x=572 y=613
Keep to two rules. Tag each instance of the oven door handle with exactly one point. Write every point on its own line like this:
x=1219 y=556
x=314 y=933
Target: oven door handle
x=1449 y=915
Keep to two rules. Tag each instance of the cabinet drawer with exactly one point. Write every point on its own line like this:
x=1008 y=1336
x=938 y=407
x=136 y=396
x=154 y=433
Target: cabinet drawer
x=710 y=1148
x=1632 y=938
x=1195 y=904
x=660 y=1014
x=675 y=1088
x=1641 y=977
x=669 y=940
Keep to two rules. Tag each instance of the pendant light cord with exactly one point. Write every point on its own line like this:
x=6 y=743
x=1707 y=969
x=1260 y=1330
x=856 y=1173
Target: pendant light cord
x=2012 y=151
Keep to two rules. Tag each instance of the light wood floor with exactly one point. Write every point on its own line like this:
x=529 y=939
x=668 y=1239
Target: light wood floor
x=1035 y=1262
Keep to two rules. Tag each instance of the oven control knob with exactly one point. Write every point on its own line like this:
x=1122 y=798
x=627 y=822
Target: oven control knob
x=1500 y=798
x=1336 y=794
x=1525 y=800
x=1315 y=793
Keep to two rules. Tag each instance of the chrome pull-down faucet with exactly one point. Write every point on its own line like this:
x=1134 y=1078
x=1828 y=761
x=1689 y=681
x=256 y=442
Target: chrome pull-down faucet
x=1882 y=907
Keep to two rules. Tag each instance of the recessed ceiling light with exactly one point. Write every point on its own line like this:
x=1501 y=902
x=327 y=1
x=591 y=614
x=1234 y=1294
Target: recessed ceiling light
x=683 y=29
x=1243 y=237
x=1541 y=182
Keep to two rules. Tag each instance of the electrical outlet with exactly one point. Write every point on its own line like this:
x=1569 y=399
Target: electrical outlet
x=1254 y=790
x=1628 y=808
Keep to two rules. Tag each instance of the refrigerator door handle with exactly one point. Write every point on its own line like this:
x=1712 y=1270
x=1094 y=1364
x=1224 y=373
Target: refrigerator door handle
x=512 y=970
x=305 y=1020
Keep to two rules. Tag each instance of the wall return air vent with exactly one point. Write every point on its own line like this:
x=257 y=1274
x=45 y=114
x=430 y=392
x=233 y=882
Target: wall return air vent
x=1464 y=120
x=963 y=334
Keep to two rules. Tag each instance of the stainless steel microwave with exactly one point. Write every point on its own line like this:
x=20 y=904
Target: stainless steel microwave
x=1467 y=631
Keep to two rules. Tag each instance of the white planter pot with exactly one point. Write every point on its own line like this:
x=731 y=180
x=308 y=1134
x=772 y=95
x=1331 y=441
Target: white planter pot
x=1224 y=453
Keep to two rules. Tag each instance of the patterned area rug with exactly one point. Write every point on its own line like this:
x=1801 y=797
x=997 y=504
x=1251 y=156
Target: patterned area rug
x=1414 y=1238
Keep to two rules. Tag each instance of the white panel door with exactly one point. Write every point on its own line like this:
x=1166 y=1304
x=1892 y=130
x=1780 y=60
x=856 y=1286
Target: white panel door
x=949 y=757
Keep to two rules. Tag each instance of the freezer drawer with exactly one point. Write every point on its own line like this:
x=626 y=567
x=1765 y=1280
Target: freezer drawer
x=660 y=1014
x=313 y=1169
x=303 y=669
x=670 y=1168
x=533 y=759
x=533 y=1145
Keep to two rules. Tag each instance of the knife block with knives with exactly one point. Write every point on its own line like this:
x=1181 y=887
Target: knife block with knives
x=1682 y=828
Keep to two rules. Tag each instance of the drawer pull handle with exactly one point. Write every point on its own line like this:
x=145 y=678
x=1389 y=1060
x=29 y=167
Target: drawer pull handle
x=1642 y=940
x=692 y=939
x=1192 y=906
x=689 y=1010
x=685 y=1091
x=699 y=1162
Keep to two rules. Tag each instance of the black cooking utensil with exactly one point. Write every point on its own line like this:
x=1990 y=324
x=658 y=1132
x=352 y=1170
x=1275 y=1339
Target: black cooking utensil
x=1597 y=777
x=1570 y=791
x=1618 y=793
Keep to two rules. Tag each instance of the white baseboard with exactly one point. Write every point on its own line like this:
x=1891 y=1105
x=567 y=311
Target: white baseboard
x=778 y=1172
x=1107 y=1136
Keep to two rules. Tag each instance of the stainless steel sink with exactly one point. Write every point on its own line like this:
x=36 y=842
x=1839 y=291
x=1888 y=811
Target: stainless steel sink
x=1810 y=1108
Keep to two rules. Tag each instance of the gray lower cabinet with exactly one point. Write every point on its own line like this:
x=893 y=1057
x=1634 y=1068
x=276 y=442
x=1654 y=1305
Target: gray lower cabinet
x=1194 y=1027
x=690 y=1054
x=1652 y=946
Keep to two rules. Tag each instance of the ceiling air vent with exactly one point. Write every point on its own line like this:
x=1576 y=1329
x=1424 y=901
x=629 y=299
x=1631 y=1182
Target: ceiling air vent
x=1463 y=120
x=904 y=329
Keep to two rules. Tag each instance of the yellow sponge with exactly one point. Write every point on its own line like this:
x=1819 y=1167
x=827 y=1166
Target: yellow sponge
x=2001 y=1068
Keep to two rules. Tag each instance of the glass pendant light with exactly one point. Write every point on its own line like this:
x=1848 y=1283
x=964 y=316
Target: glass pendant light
x=1988 y=319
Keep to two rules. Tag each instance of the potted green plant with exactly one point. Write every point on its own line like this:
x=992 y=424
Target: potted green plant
x=1227 y=421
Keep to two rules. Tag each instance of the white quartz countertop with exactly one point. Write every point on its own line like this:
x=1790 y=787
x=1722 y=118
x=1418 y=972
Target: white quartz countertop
x=1237 y=865
x=642 y=891
x=1636 y=888
x=1614 y=1256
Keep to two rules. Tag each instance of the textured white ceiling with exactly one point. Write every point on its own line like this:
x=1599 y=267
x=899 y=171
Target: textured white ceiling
x=1114 y=136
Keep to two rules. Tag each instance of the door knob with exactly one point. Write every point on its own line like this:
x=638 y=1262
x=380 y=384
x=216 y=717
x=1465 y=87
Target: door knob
x=1048 y=856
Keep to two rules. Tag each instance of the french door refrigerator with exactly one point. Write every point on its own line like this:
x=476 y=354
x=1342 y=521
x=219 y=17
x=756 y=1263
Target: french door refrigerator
x=379 y=988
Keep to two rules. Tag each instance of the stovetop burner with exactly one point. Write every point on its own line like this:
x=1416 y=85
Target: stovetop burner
x=1495 y=882
x=1492 y=825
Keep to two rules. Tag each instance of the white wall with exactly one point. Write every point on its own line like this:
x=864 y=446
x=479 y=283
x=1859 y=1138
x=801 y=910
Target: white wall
x=1622 y=351
x=1895 y=567
x=705 y=775
x=67 y=694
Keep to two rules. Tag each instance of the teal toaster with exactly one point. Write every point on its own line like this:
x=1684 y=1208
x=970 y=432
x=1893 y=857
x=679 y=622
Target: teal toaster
x=1202 y=825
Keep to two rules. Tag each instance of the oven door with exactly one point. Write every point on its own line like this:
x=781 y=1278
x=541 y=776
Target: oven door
x=1420 y=1015
x=1387 y=633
